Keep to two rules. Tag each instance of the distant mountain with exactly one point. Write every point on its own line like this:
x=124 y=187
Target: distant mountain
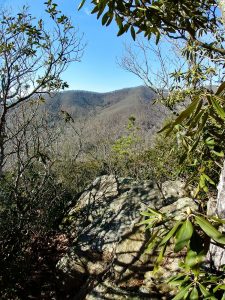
x=106 y=114
x=84 y=101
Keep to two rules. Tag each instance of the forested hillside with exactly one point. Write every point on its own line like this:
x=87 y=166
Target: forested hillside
x=76 y=102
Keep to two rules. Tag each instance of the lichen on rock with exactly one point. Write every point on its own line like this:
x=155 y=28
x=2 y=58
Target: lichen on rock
x=108 y=244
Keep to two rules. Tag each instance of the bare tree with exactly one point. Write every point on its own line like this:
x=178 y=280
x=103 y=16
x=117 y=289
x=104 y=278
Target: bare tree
x=167 y=71
x=151 y=64
x=32 y=60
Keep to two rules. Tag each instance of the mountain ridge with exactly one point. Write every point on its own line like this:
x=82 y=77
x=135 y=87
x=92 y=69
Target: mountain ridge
x=88 y=100
x=105 y=115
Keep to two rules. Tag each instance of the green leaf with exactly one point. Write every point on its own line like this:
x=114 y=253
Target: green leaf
x=209 y=179
x=96 y=9
x=170 y=233
x=183 y=292
x=177 y=278
x=221 y=88
x=155 y=212
x=168 y=126
x=187 y=112
x=152 y=242
x=196 y=242
x=204 y=120
x=202 y=181
x=109 y=20
x=218 y=109
x=146 y=214
x=183 y=235
x=194 y=294
x=193 y=258
x=195 y=121
x=81 y=4
x=204 y=291
x=133 y=34
x=196 y=116
x=105 y=18
x=218 y=220
x=155 y=7
x=194 y=146
x=220 y=154
x=119 y=21
x=157 y=37
x=219 y=287
x=198 y=109
x=159 y=258
x=183 y=115
x=121 y=31
x=210 y=141
x=210 y=230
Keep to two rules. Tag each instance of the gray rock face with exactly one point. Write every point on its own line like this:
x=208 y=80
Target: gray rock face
x=108 y=242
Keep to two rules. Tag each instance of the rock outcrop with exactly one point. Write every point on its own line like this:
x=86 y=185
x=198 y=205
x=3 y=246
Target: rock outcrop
x=107 y=258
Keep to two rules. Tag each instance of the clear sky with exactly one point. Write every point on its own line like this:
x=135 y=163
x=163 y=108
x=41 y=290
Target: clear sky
x=98 y=70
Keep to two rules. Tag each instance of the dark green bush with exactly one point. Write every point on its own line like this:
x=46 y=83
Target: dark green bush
x=28 y=212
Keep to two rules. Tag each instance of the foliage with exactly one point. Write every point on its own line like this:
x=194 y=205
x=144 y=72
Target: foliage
x=188 y=234
x=75 y=175
x=200 y=126
x=32 y=212
x=122 y=146
x=201 y=129
x=176 y=19
x=129 y=158
x=32 y=199
x=163 y=159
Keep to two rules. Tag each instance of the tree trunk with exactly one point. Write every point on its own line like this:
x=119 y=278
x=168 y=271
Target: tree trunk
x=2 y=141
x=217 y=254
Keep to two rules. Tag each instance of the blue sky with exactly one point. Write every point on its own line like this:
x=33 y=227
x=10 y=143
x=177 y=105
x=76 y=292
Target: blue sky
x=98 y=70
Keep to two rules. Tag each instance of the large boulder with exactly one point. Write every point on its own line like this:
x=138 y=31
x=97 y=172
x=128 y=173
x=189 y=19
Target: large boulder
x=108 y=243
